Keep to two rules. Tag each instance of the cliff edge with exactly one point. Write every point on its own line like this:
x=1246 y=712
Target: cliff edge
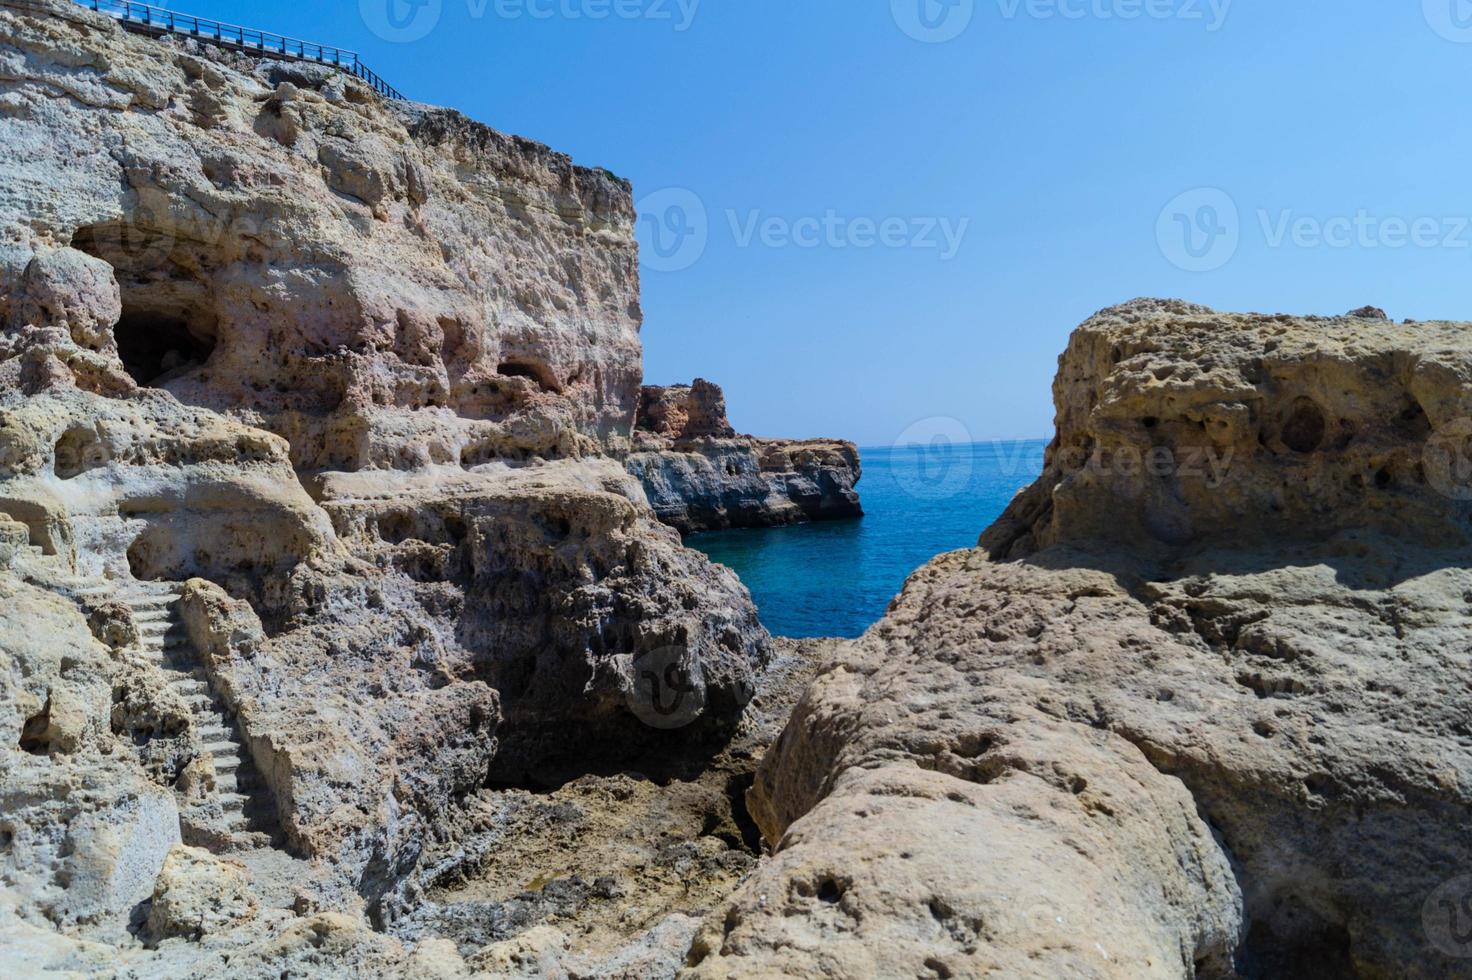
x=699 y=475
x=313 y=520
x=1196 y=707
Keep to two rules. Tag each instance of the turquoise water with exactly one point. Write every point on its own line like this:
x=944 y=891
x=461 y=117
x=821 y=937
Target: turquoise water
x=836 y=578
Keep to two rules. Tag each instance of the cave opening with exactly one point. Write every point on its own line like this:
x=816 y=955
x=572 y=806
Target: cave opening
x=168 y=325
x=156 y=347
x=524 y=369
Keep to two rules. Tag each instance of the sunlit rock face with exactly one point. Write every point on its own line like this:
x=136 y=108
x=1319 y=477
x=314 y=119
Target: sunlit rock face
x=700 y=475
x=1197 y=706
x=313 y=515
x=385 y=284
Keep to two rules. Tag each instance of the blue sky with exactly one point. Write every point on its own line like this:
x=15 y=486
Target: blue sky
x=1304 y=157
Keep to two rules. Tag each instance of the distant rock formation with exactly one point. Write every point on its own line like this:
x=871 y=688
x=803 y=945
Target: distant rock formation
x=683 y=412
x=1198 y=705
x=699 y=475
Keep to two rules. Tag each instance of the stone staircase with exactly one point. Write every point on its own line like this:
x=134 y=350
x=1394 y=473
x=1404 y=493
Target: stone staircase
x=240 y=813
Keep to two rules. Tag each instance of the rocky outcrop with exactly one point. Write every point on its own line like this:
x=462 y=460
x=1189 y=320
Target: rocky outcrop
x=699 y=475
x=1195 y=707
x=385 y=285
x=313 y=517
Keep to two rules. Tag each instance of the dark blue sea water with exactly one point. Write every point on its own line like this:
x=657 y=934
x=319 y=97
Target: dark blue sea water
x=836 y=578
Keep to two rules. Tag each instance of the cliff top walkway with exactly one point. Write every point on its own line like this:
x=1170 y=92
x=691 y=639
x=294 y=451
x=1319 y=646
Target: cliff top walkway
x=154 y=21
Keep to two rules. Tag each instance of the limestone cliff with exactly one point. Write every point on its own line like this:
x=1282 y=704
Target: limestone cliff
x=312 y=408
x=700 y=475
x=1198 y=705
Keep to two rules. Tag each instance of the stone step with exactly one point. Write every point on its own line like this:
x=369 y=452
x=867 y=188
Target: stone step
x=219 y=746
x=254 y=812
x=188 y=684
x=150 y=586
x=231 y=801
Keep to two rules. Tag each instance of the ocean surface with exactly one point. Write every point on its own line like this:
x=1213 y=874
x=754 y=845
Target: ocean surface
x=835 y=578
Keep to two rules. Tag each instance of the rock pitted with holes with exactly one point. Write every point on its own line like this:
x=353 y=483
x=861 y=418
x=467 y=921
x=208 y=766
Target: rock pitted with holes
x=313 y=519
x=1166 y=722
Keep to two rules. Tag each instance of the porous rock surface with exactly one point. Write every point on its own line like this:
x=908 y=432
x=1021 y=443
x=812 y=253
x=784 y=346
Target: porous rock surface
x=700 y=475
x=313 y=514
x=1188 y=718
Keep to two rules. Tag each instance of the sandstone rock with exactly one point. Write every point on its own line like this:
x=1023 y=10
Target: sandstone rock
x=1163 y=723
x=699 y=475
x=680 y=412
x=321 y=267
x=198 y=894
x=1177 y=425
x=312 y=416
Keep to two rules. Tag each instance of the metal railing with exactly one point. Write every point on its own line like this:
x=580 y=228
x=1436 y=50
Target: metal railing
x=147 y=19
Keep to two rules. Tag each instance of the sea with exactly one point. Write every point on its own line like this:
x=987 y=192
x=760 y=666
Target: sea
x=836 y=578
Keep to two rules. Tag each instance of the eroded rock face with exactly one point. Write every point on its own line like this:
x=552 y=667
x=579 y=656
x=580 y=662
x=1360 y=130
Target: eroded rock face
x=676 y=412
x=699 y=475
x=1163 y=723
x=312 y=511
x=277 y=242
x=1179 y=425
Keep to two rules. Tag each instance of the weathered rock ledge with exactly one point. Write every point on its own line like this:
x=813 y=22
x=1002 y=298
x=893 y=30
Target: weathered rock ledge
x=699 y=475
x=1198 y=706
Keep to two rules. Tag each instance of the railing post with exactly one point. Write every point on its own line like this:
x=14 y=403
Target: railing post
x=129 y=12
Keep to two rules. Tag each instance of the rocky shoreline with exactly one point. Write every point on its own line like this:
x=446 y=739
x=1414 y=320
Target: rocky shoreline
x=1167 y=720
x=346 y=628
x=699 y=475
